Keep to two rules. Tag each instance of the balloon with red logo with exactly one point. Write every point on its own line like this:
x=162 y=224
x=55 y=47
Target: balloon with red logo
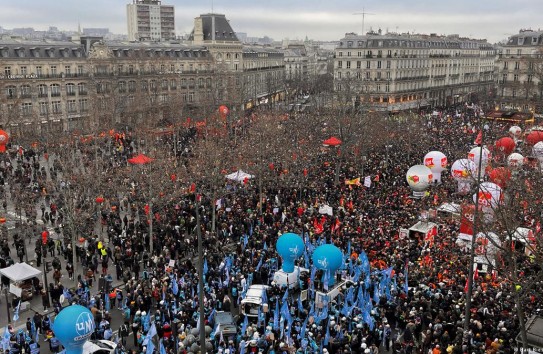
x=462 y=171
x=500 y=176
x=490 y=195
x=534 y=137
x=515 y=132
x=515 y=160
x=4 y=138
x=505 y=145
x=437 y=162
x=419 y=178
x=479 y=157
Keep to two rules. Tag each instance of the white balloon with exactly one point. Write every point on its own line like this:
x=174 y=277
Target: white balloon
x=537 y=150
x=515 y=160
x=419 y=178
x=462 y=169
x=490 y=195
x=435 y=161
x=515 y=131
x=475 y=155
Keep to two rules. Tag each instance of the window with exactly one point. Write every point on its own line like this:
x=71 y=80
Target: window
x=348 y=54
x=25 y=91
x=23 y=70
x=504 y=78
x=56 y=107
x=388 y=64
x=70 y=106
x=83 y=105
x=132 y=86
x=368 y=64
x=55 y=90
x=164 y=84
x=340 y=64
x=131 y=69
x=80 y=70
x=517 y=65
x=27 y=108
x=379 y=64
x=368 y=75
x=122 y=86
x=42 y=90
x=81 y=88
x=340 y=54
x=519 y=52
x=39 y=70
x=387 y=88
x=70 y=89
x=339 y=75
x=505 y=65
x=173 y=84
x=44 y=108
x=515 y=78
x=53 y=69
x=67 y=70
x=11 y=92
x=7 y=70
x=144 y=86
x=359 y=54
x=120 y=69
x=348 y=65
x=358 y=64
x=359 y=75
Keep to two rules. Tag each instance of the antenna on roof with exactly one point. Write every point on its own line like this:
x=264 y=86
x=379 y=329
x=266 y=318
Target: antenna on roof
x=363 y=14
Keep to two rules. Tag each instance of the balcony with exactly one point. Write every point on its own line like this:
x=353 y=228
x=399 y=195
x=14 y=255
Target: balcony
x=55 y=94
x=70 y=93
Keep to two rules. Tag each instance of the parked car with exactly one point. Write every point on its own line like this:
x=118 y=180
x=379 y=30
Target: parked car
x=99 y=347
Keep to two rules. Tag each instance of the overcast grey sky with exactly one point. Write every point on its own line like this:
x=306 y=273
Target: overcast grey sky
x=317 y=19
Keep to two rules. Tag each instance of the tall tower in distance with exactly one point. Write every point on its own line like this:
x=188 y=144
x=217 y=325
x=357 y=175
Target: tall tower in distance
x=149 y=20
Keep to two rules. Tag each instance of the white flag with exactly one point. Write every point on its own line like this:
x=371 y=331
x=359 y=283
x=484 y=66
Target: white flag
x=367 y=181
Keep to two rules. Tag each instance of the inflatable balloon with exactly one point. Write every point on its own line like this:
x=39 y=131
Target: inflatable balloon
x=537 y=150
x=500 y=176
x=490 y=195
x=419 y=178
x=290 y=247
x=505 y=145
x=475 y=155
x=515 y=132
x=436 y=161
x=4 y=138
x=462 y=171
x=515 y=160
x=328 y=258
x=73 y=326
x=534 y=137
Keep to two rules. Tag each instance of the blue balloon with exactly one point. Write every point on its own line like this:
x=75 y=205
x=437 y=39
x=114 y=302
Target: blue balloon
x=72 y=327
x=290 y=247
x=328 y=258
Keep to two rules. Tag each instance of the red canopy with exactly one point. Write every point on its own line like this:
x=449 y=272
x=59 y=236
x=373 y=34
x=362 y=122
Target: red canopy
x=333 y=141
x=141 y=159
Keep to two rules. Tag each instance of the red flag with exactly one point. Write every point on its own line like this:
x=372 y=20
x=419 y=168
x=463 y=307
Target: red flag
x=494 y=275
x=376 y=179
x=305 y=172
x=436 y=199
x=476 y=274
x=466 y=286
x=245 y=180
x=146 y=209
x=193 y=187
x=479 y=138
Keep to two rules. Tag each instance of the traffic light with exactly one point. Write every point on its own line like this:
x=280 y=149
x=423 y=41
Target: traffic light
x=48 y=266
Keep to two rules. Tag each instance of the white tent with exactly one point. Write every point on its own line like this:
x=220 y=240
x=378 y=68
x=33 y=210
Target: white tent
x=239 y=176
x=450 y=208
x=20 y=272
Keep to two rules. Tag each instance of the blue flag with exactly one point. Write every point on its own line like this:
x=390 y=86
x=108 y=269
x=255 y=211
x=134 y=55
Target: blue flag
x=251 y=230
x=276 y=315
x=162 y=349
x=300 y=305
x=244 y=325
x=16 y=311
x=211 y=316
x=327 y=335
x=265 y=246
x=66 y=294
x=259 y=264
x=5 y=340
x=175 y=286
x=285 y=296
x=405 y=283
x=304 y=328
x=265 y=296
x=245 y=241
x=107 y=303
x=205 y=266
x=150 y=347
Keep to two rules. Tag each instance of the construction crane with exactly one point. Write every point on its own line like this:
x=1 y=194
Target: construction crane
x=363 y=14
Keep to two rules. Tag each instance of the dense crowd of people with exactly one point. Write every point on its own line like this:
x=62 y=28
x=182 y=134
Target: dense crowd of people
x=418 y=312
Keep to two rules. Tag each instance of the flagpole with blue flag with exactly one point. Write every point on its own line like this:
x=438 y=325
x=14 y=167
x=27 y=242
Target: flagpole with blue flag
x=276 y=315
x=175 y=286
x=16 y=312
x=162 y=349
x=5 y=340
x=107 y=303
x=405 y=283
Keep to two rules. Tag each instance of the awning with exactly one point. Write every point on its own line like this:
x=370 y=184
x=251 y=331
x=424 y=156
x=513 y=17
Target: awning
x=20 y=272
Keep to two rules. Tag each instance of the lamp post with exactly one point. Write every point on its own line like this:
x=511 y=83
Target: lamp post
x=467 y=314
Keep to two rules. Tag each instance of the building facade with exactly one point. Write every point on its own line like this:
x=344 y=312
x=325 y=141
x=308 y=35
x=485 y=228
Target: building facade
x=401 y=71
x=149 y=20
x=90 y=85
x=519 y=72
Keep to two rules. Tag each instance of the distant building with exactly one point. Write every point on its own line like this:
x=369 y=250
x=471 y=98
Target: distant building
x=404 y=71
x=101 y=32
x=242 y=36
x=149 y=20
x=519 y=72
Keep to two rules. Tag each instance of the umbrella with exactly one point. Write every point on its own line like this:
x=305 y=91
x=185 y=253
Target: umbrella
x=333 y=141
x=141 y=159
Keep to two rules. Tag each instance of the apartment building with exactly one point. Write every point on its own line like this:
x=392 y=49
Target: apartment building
x=149 y=20
x=405 y=71
x=519 y=72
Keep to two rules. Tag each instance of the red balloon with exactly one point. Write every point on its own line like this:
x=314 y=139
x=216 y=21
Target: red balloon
x=500 y=176
x=99 y=200
x=506 y=145
x=4 y=138
x=534 y=137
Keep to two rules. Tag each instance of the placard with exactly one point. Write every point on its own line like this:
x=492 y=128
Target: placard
x=15 y=290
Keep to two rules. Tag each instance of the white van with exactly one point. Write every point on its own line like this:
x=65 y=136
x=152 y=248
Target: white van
x=282 y=278
x=252 y=301
x=100 y=346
